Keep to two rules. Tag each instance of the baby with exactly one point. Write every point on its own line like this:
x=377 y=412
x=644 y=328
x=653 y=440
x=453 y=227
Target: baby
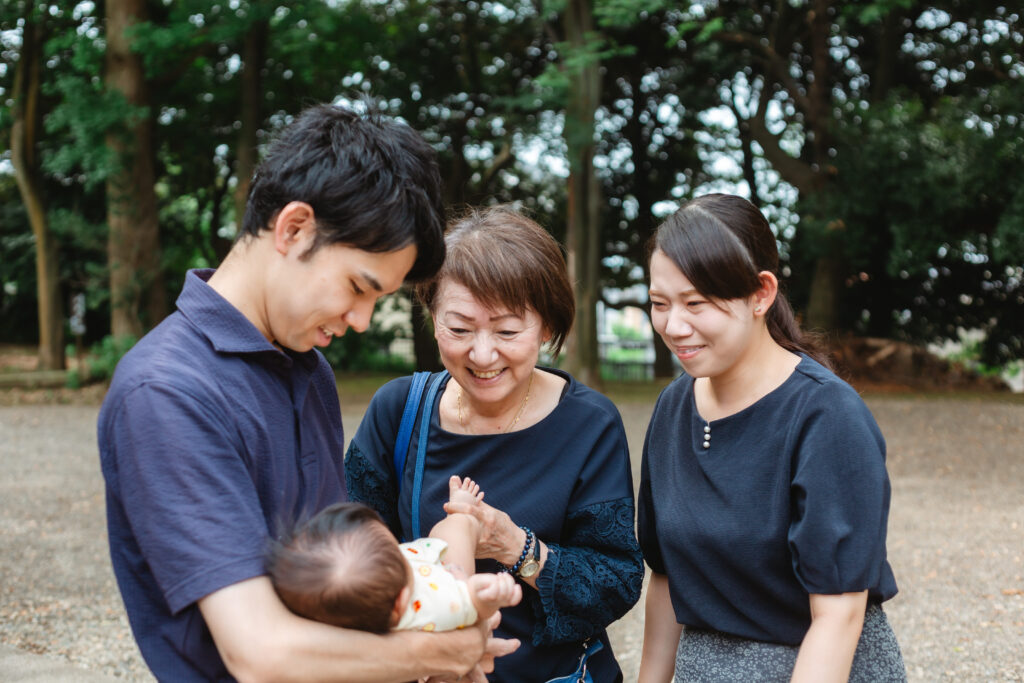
x=344 y=567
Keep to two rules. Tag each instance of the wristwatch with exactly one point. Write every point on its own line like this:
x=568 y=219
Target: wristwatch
x=531 y=565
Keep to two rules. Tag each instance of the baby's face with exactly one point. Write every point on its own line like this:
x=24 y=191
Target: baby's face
x=384 y=535
x=404 y=596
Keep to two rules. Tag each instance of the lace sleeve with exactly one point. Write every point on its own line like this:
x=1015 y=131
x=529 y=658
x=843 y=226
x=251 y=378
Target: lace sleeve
x=370 y=486
x=593 y=578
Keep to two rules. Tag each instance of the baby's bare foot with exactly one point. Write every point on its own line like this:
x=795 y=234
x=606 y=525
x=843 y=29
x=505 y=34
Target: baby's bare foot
x=464 y=491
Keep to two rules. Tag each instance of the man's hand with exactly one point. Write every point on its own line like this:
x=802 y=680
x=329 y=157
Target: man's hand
x=493 y=648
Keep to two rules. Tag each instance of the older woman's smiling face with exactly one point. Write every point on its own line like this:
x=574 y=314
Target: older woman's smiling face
x=491 y=353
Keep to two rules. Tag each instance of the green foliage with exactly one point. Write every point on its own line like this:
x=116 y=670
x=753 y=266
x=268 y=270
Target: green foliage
x=921 y=186
x=620 y=355
x=101 y=360
x=873 y=12
x=85 y=116
x=624 y=13
x=366 y=351
x=17 y=268
x=83 y=113
x=705 y=30
x=929 y=209
x=626 y=333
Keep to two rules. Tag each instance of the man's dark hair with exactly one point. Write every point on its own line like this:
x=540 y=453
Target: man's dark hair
x=373 y=184
x=342 y=567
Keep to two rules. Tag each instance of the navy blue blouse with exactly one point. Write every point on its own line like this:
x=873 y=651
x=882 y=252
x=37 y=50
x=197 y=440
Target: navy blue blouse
x=567 y=478
x=790 y=498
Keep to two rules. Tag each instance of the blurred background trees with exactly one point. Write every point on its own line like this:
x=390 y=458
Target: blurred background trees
x=882 y=139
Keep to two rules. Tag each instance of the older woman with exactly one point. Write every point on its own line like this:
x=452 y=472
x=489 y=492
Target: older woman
x=550 y=453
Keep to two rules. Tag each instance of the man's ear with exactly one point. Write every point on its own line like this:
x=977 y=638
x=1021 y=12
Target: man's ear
x=401 y=602
x=294 y=226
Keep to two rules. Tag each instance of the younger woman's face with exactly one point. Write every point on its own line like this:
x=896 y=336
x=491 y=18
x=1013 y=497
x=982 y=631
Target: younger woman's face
x=709 y=337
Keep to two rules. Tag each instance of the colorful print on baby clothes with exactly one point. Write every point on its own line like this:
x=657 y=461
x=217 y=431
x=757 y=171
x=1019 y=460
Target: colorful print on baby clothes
x=439 y=601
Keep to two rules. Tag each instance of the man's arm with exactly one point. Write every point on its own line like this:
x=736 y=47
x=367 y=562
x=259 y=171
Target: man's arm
x=260 y=640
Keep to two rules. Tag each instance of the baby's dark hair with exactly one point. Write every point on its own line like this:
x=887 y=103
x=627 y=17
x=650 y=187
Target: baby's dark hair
x=342 y=567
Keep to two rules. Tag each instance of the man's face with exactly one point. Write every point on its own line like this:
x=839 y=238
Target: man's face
x=311 y=301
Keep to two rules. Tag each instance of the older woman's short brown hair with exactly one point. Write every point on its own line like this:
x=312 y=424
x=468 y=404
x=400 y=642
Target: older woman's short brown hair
x=506 y=260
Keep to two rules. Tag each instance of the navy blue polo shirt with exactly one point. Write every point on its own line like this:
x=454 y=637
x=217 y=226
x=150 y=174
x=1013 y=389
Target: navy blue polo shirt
x=210 y=438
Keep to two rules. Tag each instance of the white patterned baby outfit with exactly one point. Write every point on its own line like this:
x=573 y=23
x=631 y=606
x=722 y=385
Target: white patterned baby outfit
x=439 y=601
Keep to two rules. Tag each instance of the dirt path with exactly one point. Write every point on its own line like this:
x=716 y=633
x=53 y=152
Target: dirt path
x=956 y=538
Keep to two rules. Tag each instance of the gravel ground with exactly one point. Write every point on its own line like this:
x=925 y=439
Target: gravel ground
x=956 y=538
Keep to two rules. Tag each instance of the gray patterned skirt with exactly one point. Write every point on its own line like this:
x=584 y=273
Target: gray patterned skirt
x=714 y=657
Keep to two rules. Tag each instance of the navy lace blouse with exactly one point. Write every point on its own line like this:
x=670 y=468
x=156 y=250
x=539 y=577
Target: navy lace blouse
x=567 y=478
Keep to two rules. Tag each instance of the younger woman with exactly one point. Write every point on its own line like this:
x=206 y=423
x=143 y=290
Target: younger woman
x=763 y=496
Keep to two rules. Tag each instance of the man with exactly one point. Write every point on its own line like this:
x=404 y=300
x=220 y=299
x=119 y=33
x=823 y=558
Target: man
x=223 y=423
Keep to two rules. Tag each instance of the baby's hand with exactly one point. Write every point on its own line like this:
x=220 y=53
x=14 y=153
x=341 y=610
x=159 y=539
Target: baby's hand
x=464 y=491
x=491 y=592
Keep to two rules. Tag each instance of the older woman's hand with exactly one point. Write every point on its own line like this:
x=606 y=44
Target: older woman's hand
x=500 y=539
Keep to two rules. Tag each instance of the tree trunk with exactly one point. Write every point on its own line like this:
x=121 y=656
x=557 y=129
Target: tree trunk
x=824 y=302
x=664 y=364
x=254 y=52
x=25 y=130
x=747 y=150
x=137 y=294
x=583 y=233
x=424 y=345
x=823 y=307
x=456 y=174
x=889 y=39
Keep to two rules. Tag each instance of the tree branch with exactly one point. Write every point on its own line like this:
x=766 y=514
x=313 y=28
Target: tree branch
x=625 y=303
x=776 y=65
x=501 y=160
x=796 y=172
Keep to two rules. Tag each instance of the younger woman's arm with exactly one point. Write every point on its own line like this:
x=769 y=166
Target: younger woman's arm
x=826 y=653
x=661 y=634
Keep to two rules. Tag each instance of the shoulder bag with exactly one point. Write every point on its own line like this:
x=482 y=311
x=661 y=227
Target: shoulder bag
x=402 y=440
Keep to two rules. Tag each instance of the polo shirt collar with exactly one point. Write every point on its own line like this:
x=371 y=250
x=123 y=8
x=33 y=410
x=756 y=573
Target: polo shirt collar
x=227 y=329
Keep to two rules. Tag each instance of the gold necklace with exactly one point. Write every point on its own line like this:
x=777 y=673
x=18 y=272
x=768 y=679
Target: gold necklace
x=515 y=420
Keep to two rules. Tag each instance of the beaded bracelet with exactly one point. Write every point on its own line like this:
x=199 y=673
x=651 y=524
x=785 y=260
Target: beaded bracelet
x=526 y=550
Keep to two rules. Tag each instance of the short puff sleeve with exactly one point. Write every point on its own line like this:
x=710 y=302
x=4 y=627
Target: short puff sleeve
x=840 y=493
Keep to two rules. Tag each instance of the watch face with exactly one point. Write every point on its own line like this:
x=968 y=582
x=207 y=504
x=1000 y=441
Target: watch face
x=529 y=569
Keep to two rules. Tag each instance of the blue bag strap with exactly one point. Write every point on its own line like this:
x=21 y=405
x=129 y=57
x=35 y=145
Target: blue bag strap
x=582 y=673
x=421 y=451
x=412 y=403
